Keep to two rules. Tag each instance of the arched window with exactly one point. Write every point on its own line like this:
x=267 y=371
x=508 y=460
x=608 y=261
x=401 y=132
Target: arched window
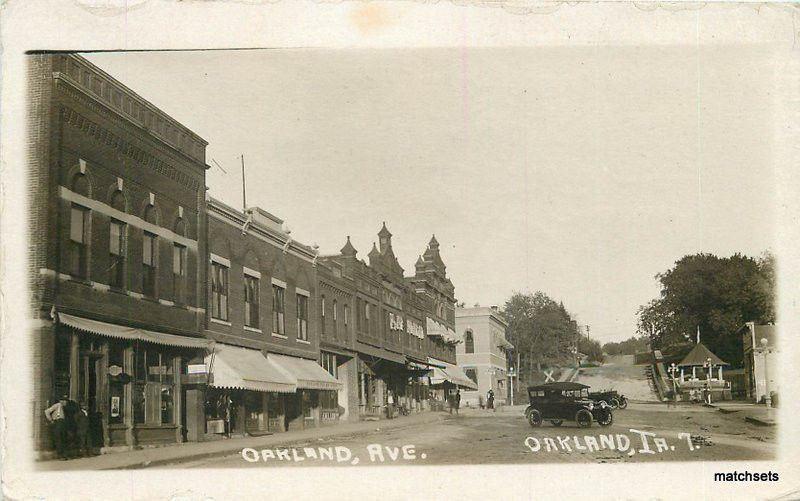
x=118 y=201
x=149 y=255
x=80 y=184
x=469 y=343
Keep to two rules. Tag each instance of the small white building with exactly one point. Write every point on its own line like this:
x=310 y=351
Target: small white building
x=482 y=353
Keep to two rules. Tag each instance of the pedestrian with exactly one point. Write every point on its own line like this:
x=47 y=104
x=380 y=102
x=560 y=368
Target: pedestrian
x=82 y=431
x=56 y=415
x=389 y=405
x=490 y=399
x=458 y=400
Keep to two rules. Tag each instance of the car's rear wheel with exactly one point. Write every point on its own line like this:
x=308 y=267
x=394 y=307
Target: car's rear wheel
x=556 y=422
x=606 y=419
x=614 y=403
x=534 y=418
x=623 y=402
x=584 y=418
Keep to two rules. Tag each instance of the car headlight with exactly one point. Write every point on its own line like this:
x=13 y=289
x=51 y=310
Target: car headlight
x=591 y=406
x=603 y=404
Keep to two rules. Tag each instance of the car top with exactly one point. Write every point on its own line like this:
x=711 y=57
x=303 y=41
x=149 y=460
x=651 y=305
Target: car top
x=558 y=386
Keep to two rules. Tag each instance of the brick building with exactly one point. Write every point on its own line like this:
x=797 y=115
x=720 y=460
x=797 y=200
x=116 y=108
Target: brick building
x=376 y=322
x=267 y=374
x=117 y=193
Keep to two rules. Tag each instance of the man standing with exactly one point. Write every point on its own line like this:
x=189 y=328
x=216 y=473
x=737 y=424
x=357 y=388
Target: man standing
x=490 y=399
x=82 y=431
x=389 y=404
x=56 y=416
x=457 y=400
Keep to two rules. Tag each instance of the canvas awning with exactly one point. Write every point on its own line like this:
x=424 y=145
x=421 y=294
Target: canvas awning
x=435 y=328
x=132 y=333
x=308 y=374
x=248 y=369
x=380 y=353
x=451 y=373
x=504 y=343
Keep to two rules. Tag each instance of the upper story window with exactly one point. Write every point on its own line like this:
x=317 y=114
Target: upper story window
x=469 y=343
x=178 y=272
x=322 y=314
x=335 y=317
x=251 y=302
x=149 y=260
x=116 y=249
x=278 y=310
x=79 y=241
x=346 y=314
x=219 y=291
x=302 y=317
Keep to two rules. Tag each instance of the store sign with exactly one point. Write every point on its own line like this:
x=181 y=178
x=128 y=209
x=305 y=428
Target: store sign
x=114 y=406
x=196 y=369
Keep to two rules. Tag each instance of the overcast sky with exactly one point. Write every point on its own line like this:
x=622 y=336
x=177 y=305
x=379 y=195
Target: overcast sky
x=581 y=172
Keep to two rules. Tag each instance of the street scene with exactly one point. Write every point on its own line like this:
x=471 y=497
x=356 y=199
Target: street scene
x=181 y=322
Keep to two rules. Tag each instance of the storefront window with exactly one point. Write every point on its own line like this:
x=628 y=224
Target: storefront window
x=153 y=395
x=116 y=365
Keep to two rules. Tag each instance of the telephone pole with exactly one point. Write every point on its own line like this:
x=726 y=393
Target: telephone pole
x=588 y=337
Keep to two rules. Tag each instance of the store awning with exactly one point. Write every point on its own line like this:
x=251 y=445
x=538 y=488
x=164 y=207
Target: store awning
x=437 y=329
x=504 y=343
x=451 y=373
x=308 y=374
x=248 y=369
x=380 y=353
x=132 y=333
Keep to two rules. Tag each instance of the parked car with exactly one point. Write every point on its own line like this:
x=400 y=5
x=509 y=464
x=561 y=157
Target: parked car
x=565 y=401
x=610 y=397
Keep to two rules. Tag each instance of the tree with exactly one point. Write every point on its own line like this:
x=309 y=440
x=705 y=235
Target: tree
x=541 y=330
x=630 y=346
x=718 y=295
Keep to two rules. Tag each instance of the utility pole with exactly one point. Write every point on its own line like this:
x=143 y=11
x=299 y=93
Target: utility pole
x=588 y=337
x=244 y=188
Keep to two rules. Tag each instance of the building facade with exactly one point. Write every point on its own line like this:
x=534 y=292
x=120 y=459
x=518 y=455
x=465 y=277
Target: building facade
x=483 y=353
x=266 y=373
x=379 y=323
x=117 y=192
x=760 y=360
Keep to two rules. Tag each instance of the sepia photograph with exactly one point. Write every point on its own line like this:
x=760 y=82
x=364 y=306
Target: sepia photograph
x=243 y=259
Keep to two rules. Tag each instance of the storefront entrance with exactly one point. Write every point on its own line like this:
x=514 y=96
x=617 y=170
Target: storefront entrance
x=90 y=364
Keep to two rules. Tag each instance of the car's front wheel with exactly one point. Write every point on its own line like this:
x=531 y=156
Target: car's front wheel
x=556 y=422
x=534 y=418
x=584 y=418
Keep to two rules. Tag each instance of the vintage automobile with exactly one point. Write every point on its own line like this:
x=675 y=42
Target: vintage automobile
x=565 y=401
x=610 y=397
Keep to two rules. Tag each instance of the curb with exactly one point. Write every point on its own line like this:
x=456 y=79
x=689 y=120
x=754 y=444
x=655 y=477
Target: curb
x=758 y=421
x=200 y=455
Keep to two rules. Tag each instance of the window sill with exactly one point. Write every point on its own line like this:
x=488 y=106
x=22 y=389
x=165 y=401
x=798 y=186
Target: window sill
x=221 y=322
x=253 y=329
x=281 y=336
x=303 y=341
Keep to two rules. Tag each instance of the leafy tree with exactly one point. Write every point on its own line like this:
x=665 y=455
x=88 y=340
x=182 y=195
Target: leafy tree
x=630 y=346
x=718 y=295
x=542 y=332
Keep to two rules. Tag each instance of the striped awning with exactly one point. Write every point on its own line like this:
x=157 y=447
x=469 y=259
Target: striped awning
x=132 y=333
x=451 y=373
x=248 y=369
x=308 y=374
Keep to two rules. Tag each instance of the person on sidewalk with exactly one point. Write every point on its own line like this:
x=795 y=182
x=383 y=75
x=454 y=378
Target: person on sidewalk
x=82 y=431
x=57 y=417
x=457 y=400
x=490 y=399
x=389 y=405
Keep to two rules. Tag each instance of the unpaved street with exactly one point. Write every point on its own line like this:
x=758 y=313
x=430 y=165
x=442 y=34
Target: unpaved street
x=480 y=436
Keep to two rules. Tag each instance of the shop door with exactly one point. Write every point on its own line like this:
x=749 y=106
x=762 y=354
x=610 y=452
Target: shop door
x=294 y=411
x=89 y=372
x=254 y=412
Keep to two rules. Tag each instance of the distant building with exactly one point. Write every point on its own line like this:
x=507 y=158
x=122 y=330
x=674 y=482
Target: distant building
x=482 y=353
x=760 y=359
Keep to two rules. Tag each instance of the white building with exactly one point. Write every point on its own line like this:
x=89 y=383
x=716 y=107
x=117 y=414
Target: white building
x=482 y=353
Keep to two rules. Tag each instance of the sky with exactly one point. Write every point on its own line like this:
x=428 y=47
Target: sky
x=581 y=172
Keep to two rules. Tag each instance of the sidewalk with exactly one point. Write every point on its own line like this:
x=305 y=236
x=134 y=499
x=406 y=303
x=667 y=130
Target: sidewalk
x=159 y=456
x=753 y=413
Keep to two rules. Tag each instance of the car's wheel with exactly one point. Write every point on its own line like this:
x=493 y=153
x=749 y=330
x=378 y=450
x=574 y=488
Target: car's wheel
x=534 y=418
x=614 y=403
x=606 y=419
x=556 y=422
x=584 y=418
x=623 y=402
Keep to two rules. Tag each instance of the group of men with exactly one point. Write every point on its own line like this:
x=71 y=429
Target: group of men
x=69 y=423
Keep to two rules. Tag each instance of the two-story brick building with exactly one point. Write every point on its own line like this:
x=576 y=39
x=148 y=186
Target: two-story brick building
x=383 y=346
x=483 y=354
x=117 y=196
x=266 y=371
